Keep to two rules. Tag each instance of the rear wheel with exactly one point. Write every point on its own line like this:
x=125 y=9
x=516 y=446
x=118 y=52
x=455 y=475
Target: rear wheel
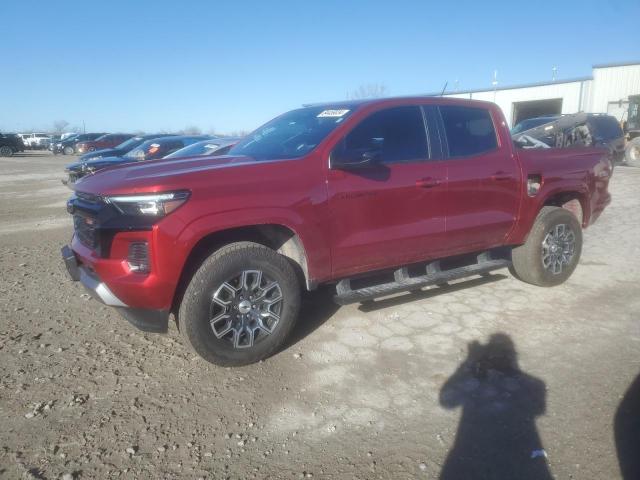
x=552 y=250
x=632 y=153
x=240 y=305
x=6 y=151
x=68 y=150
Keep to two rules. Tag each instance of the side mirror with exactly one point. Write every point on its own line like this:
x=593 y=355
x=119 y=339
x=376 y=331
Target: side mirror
x=354 y=160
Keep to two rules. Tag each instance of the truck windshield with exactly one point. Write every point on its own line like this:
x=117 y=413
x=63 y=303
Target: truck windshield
x=292 y=134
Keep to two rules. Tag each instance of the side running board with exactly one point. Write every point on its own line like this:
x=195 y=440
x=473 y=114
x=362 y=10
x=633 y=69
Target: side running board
x=403 y=282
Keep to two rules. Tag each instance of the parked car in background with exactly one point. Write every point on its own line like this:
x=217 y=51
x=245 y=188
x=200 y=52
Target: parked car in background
x=376 y=197
x=10 y=143
x=149 y=150
x=124 y=147
x=36 y=141
x=579 y=129
x=56 y=146
x=68 y=146
x=109 y=140
x=212 y=147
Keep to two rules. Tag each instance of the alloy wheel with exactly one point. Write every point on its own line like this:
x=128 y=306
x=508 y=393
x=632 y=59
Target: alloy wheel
x=246 y=308
x=558 y=248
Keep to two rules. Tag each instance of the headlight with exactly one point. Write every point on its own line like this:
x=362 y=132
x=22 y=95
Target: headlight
x=154 y=204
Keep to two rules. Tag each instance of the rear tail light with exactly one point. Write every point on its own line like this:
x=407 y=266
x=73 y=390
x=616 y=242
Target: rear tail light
x=138 y=258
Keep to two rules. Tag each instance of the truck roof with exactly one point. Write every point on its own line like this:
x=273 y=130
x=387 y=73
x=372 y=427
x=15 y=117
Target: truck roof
x=425 y=99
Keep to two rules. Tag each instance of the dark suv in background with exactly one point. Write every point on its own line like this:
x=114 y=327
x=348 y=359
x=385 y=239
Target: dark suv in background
x=573 y=130
x=10 y=143
x=105 y=141
x=68 y=146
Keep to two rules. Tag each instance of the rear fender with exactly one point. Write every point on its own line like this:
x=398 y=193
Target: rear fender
x=560 y=193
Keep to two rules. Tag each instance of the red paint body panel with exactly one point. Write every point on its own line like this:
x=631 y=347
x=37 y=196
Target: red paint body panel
x=348 y=222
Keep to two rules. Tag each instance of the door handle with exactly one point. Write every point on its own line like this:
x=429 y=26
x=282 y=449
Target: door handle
x=500 y=175
x=427 y=182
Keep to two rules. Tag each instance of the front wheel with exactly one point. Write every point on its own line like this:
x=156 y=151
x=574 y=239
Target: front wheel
x=240 y=305
x=552 y=250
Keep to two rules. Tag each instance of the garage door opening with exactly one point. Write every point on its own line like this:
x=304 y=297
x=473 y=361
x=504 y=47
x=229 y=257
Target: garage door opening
x=536 y=108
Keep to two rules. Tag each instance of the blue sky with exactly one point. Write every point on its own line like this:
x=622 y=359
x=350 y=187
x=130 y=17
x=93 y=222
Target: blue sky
x=229 y=66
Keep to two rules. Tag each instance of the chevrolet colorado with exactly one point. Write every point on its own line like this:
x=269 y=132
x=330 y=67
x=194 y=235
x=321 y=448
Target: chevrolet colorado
x=376 y=197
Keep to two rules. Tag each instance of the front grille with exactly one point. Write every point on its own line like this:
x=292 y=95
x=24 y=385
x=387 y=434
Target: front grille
x=85 y=228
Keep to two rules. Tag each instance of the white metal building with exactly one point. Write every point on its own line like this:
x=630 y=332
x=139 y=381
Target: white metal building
x=605 y=91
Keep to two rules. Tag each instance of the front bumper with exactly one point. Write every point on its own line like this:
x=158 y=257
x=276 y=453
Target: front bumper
x=147 y=320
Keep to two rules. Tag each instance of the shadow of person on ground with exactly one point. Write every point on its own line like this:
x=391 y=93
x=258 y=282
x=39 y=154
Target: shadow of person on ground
x=497 y=436
x=626 y=428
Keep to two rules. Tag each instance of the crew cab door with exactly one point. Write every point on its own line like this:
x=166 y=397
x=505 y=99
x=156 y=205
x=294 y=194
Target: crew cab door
x=484 y=186
x=386 y=193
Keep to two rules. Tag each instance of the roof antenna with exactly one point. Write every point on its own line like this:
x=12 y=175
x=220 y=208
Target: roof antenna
x=444 y=88
x=495 y=84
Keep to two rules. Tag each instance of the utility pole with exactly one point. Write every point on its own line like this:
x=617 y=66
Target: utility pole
x=554 y=71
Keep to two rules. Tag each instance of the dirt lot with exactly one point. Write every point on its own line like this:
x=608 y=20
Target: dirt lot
x=394 y=389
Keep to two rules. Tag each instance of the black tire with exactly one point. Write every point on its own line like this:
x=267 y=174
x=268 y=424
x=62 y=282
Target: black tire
x=68 y=150
x=632 y=153
x=527 y=259
x=6 y=151
x=229 y=262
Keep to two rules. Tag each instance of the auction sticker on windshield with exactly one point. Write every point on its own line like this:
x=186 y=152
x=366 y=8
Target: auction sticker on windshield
x=333 y=113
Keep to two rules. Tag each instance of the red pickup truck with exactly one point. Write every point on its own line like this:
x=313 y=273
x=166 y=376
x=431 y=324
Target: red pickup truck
x=375 y=196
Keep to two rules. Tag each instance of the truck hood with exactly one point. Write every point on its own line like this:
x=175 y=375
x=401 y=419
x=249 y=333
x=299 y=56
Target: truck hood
x=155 y=175
x=98 y=163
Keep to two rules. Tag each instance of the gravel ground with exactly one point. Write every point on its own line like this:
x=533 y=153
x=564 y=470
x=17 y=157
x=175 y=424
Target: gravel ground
x=486 y=378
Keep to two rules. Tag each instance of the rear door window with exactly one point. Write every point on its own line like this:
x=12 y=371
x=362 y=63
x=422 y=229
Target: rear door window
x=469 y=130
x=398 y=133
